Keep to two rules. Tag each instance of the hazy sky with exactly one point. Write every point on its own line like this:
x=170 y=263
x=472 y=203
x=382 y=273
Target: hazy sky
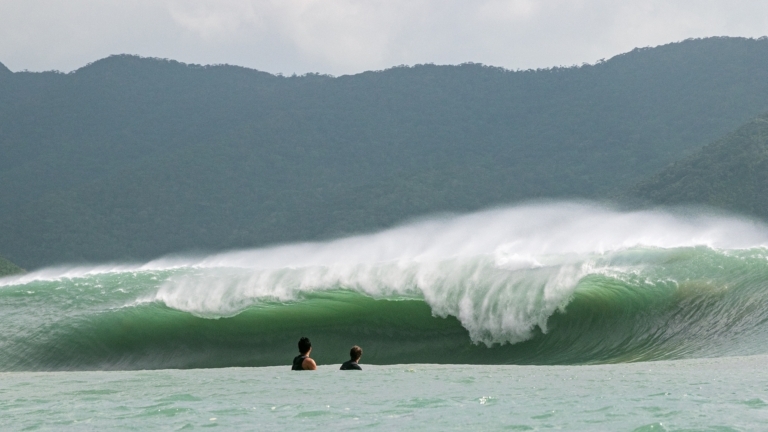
x=347 y=36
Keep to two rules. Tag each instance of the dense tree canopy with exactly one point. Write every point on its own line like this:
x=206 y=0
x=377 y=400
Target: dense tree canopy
x=8 y=268
x=131 y=158
x=731 y=173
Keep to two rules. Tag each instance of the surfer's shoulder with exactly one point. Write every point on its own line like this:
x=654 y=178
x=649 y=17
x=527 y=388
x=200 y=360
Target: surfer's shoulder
x=309 y=364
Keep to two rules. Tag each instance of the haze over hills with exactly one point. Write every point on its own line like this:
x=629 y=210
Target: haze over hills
x=131 y=158
x=731 y=173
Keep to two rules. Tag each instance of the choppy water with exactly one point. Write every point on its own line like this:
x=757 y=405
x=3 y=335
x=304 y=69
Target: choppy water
x=722 y=394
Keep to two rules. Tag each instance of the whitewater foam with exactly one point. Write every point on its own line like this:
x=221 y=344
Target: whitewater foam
x=502 y=272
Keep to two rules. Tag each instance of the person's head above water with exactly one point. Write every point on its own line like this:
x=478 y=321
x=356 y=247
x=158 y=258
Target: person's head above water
x=305 y=345
x=355 y=353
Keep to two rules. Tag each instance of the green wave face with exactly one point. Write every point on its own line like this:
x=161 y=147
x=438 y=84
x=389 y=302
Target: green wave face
x=497 y=303
x=645 y=304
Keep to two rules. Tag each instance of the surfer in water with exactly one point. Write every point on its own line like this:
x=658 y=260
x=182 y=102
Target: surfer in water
x=355 y=353
x=302 y=361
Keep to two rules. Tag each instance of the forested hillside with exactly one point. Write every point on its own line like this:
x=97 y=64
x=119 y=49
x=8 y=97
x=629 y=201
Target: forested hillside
x=731 y=173
x=8 y=268
x=131 y=158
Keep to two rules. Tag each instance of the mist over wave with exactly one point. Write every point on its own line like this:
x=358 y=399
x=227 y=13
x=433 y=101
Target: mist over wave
x=530 y=274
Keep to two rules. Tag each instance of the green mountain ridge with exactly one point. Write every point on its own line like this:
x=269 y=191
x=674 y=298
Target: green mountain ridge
x=730 y=173
x=130 y=158
x=8 y=268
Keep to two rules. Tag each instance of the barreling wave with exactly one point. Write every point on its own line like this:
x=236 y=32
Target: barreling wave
x=559 y=283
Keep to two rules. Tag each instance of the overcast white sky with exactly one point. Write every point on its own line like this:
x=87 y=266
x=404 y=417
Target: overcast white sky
x=348 y=36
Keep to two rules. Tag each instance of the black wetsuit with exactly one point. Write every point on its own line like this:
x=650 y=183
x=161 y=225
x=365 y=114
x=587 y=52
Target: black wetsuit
x=350 y=365
x=298 y=362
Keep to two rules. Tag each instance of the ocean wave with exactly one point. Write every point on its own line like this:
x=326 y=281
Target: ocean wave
x=548 y=283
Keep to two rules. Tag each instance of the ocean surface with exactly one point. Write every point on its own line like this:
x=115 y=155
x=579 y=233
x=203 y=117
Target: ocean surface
x=550 y=315
x=725 y=394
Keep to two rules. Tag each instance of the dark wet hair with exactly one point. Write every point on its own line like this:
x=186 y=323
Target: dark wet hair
x=304 y=345
x=355 y=353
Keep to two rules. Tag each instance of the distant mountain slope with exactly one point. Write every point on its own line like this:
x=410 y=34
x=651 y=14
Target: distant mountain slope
x=9 y=268
x=130 y=158
x=731 y=173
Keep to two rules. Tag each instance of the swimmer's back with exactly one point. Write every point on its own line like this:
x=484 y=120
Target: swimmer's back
x=298 y=361
x=350 y=365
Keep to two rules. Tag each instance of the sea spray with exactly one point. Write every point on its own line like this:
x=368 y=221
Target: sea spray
x=547 y=283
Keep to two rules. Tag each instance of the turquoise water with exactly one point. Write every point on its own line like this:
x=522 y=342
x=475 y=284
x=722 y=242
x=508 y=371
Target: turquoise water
x=557 y=315
x=693 y=395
